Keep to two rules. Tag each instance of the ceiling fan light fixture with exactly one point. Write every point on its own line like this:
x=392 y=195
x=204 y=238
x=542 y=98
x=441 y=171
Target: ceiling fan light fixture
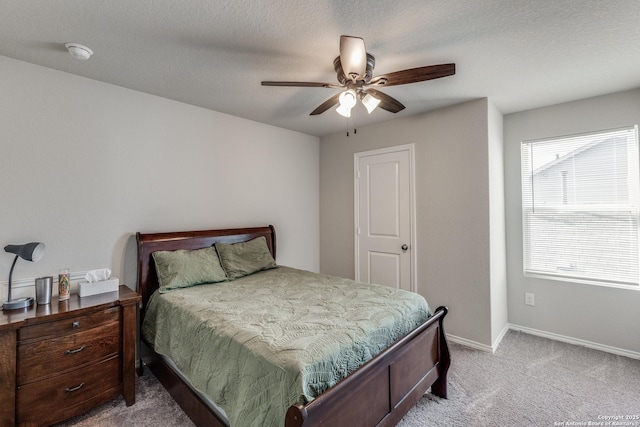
x=348 y=98
x=354 y=70
x=344 y=111
x=370 y=102
x=79 y=51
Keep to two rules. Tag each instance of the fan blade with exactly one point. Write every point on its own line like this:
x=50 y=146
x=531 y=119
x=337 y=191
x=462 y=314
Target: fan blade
x=414 y=75
x=386 y=102
x=326 y=105
x=302 y=84
x=353 y=57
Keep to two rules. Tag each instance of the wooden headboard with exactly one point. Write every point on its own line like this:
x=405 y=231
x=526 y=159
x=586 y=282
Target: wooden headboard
x=148 y=243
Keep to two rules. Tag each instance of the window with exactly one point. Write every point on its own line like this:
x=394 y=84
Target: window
x=580 y=202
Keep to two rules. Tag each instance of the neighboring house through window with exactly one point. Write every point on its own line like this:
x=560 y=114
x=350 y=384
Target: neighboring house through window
x=580 y=205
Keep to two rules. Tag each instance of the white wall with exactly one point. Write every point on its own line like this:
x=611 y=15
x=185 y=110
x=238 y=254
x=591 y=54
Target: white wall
x=598 y=315
x=84 y=165
x=498 y=275
x=452 y=205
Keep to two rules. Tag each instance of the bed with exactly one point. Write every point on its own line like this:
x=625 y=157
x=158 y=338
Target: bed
x=380 y=392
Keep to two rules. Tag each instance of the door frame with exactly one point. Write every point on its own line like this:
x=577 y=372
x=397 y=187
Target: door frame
x=412 y=208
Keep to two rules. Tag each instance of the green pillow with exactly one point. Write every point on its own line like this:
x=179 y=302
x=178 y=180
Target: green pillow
x=184 y=268
x=242 y=259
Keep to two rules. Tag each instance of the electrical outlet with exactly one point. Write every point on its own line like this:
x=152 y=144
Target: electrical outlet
x=529 y=299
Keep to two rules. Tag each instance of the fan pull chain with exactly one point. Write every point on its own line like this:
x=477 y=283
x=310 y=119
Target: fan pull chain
x=355 y=130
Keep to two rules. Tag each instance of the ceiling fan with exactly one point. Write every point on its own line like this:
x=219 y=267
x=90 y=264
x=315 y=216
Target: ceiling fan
x=354 y=68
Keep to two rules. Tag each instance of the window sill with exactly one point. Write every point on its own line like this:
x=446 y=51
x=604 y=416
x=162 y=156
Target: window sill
x=628 y=286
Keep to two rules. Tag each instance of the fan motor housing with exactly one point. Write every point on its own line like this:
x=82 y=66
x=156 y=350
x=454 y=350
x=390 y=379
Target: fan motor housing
x=342 y=78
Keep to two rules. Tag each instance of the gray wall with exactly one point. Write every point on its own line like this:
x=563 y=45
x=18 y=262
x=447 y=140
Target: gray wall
x=595 y=314
x=452 y=204
x=85 y=165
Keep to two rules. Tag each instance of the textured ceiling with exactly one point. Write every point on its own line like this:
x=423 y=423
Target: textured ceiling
x=521 y=54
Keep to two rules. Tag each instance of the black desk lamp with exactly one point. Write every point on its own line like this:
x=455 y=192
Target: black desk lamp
x=31 y=252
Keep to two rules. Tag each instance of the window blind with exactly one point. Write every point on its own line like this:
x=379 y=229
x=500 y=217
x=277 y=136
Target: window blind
x=580 y=200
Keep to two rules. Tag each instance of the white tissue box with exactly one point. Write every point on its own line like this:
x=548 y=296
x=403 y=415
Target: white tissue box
x=86 y=289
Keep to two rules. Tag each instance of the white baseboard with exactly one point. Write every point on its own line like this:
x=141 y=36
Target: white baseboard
x=30 y=281
x=25 y=287
x=498 y=340
x=543 y=334
x=478 y=346
x=576 y=341
x=469 y=343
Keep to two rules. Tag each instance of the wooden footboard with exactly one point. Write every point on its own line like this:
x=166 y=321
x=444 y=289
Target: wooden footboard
x=383 y=390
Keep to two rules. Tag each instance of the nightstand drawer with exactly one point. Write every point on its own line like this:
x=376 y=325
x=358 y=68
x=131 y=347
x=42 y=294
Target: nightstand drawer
x=41 y=359
x=68 y=326
x=38 y=400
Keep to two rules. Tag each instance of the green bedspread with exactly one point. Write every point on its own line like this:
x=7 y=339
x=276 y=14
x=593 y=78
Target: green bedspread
x=261 y=343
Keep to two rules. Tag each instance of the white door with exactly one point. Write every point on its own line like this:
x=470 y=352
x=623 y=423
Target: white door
x=385 y=246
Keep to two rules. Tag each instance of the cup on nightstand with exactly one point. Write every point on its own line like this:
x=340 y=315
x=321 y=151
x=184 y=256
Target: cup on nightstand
x=44 y=286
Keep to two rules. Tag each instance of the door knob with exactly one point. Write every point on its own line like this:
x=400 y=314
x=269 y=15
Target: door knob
x=404 y=247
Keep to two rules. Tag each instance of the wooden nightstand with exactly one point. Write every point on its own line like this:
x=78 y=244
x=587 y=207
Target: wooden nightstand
x=62 y=359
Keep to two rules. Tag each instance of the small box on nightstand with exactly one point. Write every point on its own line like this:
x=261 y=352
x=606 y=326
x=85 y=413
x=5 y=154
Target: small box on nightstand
x=86 y=289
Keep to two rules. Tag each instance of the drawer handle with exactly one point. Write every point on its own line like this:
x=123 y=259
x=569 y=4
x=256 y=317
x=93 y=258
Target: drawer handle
x=77 y=350
x=75 y=324
x=76 y=388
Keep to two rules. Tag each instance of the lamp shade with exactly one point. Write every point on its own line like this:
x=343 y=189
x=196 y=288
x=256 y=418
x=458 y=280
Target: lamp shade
x=370 y=102
x=29 y=251
x=348 y=98
x=344 y=111
x=347 y=102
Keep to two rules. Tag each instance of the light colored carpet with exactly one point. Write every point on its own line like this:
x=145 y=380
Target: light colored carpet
x=533 y=381
x=529 y=381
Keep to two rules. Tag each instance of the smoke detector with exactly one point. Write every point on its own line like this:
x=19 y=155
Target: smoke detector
x=79 y=51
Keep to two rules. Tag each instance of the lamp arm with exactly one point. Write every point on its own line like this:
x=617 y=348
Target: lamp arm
x=11 y=274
